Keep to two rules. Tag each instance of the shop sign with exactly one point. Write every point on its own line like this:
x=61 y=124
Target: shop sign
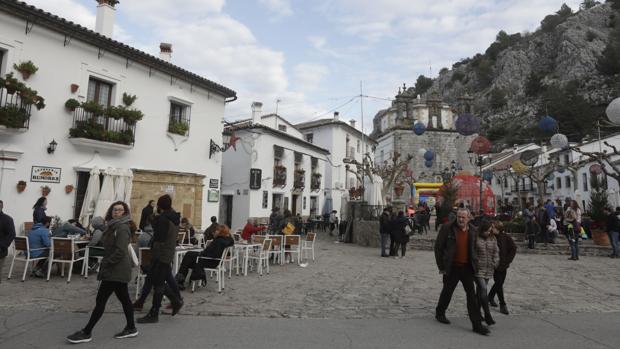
x=45 y=174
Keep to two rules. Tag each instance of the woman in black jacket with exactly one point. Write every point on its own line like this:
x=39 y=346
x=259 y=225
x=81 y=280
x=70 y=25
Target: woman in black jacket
x=114 y=273
x=38 y=210
x=214 y=250
x=399 y=233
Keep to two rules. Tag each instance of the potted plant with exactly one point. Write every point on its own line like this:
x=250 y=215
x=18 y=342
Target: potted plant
x=26 y=69
x=74 y=88
x=12 y=85
x=132 y=116
x=93 y=107
x=39 y=102
x=68 y=188
x=21 y=186
x=71 y=104
x=178 y=127
x=45 y=190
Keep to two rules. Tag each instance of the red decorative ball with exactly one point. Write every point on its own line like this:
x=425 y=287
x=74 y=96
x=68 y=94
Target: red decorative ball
x=480 y=145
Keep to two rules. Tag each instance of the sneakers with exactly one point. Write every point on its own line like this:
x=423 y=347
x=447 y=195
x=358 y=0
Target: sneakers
x=79 y=337
x=150 y=318
x=127 y=333
x=442 y=318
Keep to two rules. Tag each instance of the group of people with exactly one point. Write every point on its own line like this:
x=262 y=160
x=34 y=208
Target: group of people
x=395 y=228
x=472 y=255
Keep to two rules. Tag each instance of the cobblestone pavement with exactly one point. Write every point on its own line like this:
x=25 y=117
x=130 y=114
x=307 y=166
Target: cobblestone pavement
x=351 y=282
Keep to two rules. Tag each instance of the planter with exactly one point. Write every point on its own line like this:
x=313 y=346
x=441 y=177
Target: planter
x=68 y=188
x=45 y=191
x=21 y=186
x=600 y=237
x=74 y=88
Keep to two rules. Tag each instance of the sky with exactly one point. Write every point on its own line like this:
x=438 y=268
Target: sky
x=309 y=58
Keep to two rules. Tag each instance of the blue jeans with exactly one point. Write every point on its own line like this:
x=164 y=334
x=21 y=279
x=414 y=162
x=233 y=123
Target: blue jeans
x=613 y=238
x=384 y=241
x=574 y=247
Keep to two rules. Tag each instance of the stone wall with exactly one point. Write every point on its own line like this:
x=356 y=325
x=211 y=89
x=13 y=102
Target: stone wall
x=186 y=190
x=366 y=233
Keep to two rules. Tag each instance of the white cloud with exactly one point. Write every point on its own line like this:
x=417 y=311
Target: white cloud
x=68 y=9
x=281 y=8
x=308 y=76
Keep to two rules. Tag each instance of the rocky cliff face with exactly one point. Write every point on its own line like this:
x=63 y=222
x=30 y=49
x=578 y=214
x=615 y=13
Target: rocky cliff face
x=510 y=87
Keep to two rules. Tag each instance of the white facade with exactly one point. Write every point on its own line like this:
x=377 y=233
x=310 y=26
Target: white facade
x=255 y=150
x=343 y=141
x=62 y=63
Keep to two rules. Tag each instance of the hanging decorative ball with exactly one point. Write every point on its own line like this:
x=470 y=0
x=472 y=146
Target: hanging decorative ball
x=596 y=169
x=419 y=128
x=467 y=124
x=518 y=167
x=559 y=141
x=421 y=151
x=613 y=111
x=550 y=177
x=548 y=124
x=428 y=163
x=429 y=155
x=529 y=157
x=480 y=145
x=487 y=175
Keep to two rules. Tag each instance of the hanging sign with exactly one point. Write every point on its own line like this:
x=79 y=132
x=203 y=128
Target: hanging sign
x=45 y=174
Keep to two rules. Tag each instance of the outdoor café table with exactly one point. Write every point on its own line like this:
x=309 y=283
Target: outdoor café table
x=245 y=249
x=180 y=252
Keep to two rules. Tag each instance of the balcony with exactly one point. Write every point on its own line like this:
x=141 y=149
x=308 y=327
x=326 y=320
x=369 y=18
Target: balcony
x=101 y=131
x=299 y=182
x=315 y=182
x=14 y=113
x=279 y=176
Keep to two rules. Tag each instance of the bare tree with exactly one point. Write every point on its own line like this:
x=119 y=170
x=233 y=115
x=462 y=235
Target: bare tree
x=604 y=158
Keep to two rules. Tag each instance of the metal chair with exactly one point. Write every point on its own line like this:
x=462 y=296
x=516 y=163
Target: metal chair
x=307 y=244
x=23 y=244
x=144 y=258
x=219 y=270
x=261 y=256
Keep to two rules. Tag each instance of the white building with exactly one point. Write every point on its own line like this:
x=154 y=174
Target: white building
x=75 y=62
x=270 y=165
x=345 y=143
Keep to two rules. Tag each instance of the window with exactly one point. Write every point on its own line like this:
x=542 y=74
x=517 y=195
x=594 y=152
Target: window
x=505 y=184
x=100 y=92
x=1 y=60
x=566 y=159
x=382 y=158
x=584 y=179
x=567 y=182
x=359 y=146
x=282 y=128
x=310 y=138
x=558 y=183
x=278 y=152
x=179 y=118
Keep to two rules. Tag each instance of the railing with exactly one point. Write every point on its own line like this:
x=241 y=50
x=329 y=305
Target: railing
x=101 y=128
x=14 y=113
x=299 y=182
x=279 y=176
x=370 y=212
x=315 y=181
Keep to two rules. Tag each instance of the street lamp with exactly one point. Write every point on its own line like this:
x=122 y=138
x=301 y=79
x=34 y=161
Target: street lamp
x=477 y=160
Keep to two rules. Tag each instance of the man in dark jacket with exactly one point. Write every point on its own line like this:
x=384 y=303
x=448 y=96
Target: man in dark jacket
x=7 y=234
x=210 y=231
x=384 y=230
x=507 y=252
x=147 y=211
x=455 y=256
x=163 y=246
x=613 y=229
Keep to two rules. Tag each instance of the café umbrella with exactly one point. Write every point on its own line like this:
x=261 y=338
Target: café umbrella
x=90 y=197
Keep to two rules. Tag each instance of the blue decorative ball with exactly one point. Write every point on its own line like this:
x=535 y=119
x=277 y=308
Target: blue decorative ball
x=419 y=128
x=429 y=155
x=548 y=124
x=428 y=163
x=467 y=124
x=487 y=175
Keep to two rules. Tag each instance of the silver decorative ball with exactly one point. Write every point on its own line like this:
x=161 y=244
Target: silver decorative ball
x=559 y=141
x=613 y=111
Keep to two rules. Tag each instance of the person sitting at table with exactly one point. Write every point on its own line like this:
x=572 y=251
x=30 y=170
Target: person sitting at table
x=210 y=231
x=39 y=239
x=71 y=227
x=214 y=251
x=189 y=228
x=250 y=229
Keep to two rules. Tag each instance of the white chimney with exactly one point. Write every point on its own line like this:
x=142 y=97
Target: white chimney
x=336 y=116
x=352 y=123
x=105 y=17
x=165 y=51
x=257 y=110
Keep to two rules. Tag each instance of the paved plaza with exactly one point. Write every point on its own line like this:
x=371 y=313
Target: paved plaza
x=347 y=287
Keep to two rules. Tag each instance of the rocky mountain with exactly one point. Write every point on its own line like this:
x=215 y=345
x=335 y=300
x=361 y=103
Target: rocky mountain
x=569 y=68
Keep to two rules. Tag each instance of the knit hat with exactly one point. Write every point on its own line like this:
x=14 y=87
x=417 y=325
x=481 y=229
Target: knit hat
x=164 y=202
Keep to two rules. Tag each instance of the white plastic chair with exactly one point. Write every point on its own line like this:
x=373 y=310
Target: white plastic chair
x=307 y=244
x=98 y=258
x=233 y=257
x=292 y=240
x=23 y=244
x=144 y=258
x=219 y=270
x=261 y=256
x=200 y=238
x=63 y=251
x=277 y=248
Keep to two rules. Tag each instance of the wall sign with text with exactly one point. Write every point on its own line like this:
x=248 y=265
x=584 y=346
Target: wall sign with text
x=45 y=174
x=255 y=178
x=214 y=183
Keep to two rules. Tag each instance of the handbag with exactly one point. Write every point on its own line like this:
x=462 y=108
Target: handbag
x=408 y=230
x=132 y=254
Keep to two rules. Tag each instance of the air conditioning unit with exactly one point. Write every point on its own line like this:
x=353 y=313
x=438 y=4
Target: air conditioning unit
x=338 y=185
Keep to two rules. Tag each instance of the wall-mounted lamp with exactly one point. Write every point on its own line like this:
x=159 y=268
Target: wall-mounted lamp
x=214 y=147
x=51 y=148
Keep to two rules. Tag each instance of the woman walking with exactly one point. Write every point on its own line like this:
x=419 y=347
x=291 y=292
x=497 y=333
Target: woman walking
x=114 y=273
x=571 y=231
x=400 y=234
x=507 y=252
x=38 y=210
x=487 y=259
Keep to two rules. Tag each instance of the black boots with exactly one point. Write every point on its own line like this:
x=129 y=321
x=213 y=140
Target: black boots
x=503 y=309
x=442 y=318
x=481 y=329
x=175 y=300
x=150 y=318
x=180 y=278
x=489 y=319
x=492 y=302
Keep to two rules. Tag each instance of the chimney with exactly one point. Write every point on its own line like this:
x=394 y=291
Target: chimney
x=105 y=17
x=257 y=109
x=352 y=123
x=165 y=51
x=336 y=116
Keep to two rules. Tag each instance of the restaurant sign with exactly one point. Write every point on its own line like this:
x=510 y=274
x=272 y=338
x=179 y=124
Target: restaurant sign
x=45 y=174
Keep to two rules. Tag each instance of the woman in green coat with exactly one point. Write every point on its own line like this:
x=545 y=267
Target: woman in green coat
x=114 y=273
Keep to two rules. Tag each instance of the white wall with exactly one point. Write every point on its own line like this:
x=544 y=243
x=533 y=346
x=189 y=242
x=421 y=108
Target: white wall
x=59 y=67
